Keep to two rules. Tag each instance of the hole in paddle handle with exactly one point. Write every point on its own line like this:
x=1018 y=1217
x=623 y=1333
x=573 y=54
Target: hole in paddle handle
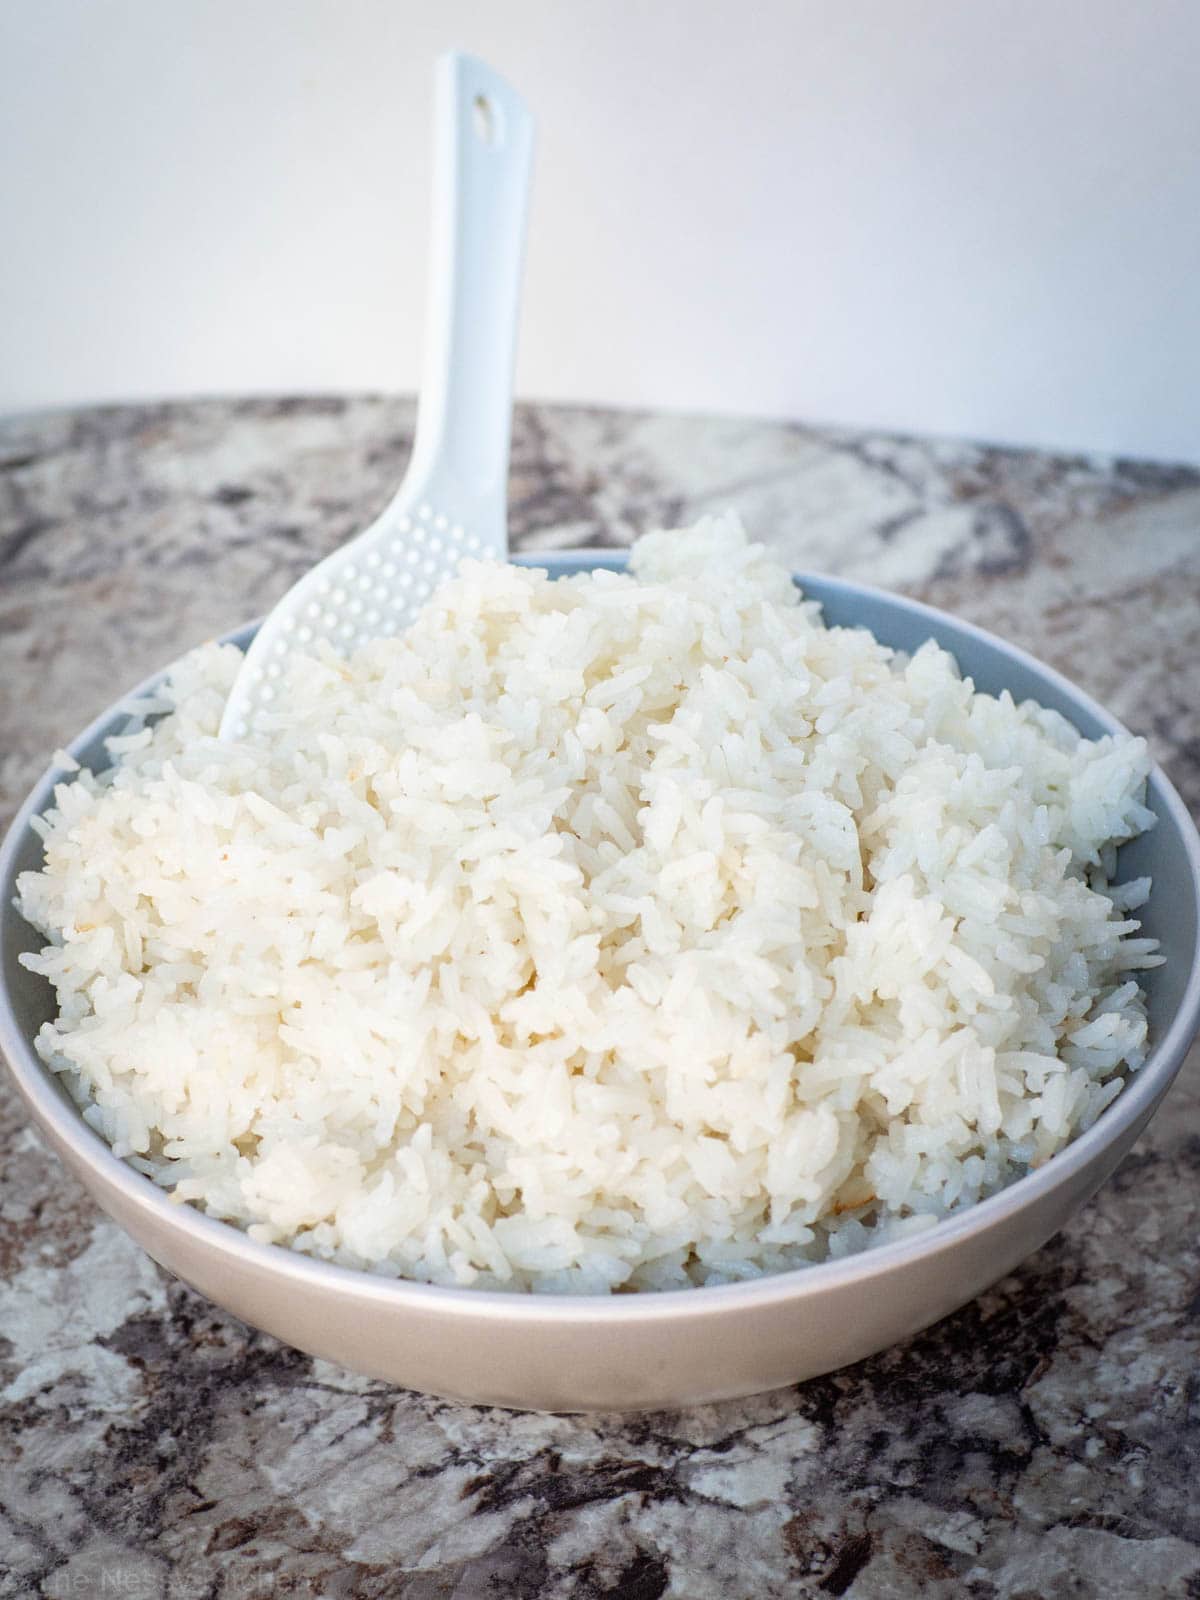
x=487 y=126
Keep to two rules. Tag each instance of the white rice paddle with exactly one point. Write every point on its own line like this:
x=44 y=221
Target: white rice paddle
x=453 y=499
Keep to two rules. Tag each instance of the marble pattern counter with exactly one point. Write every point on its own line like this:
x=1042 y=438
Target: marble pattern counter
x=1043 y=1442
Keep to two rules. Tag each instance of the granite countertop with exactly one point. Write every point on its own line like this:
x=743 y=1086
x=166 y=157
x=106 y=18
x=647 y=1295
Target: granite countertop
x=1043 y=1442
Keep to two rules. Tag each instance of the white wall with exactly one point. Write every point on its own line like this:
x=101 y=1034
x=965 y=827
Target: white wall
x=973 y=216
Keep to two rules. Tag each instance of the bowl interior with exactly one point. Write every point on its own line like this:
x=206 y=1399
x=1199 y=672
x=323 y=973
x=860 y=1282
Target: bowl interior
x=1164 y=854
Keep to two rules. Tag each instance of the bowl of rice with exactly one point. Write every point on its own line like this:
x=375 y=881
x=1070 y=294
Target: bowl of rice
x=640 y=983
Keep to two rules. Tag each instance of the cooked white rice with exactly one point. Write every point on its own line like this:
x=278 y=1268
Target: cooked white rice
x=616 y=932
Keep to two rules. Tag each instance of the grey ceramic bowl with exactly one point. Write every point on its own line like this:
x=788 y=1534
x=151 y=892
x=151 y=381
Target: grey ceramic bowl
x=625 y=1352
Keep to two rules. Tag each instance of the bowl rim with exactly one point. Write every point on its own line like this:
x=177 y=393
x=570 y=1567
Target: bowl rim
x=68 y=1131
